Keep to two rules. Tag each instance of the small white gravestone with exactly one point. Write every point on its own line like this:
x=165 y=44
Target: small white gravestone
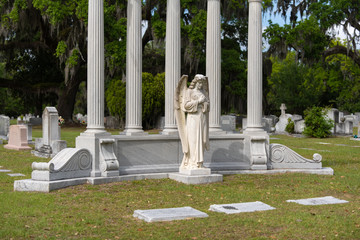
x=283 y=119
x=50 y=144
x=318 y=201
x=240 y=207
x=168 y=214
x=4 y=127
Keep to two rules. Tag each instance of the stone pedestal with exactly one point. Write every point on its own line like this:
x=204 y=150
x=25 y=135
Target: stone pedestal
x=196 y=176
x=196 y=179
x=18 y=138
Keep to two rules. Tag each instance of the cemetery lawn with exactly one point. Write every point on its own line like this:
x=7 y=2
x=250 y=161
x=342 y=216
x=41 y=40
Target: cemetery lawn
x=105 y=211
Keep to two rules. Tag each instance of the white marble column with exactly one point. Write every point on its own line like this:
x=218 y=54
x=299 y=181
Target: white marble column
x=172 y=63
x=254 y=88
x=95 y=74
x=133 y=69
x=213 y=63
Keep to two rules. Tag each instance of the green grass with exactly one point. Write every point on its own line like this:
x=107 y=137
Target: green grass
x=105 y=211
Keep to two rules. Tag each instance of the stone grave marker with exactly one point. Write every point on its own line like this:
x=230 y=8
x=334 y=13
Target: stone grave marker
x=318 y=201
x=50 y=144
x=168 y=214
x=283 y=119
x=18 y=138
x=35 y=121
x=240 y=207
x=16 y=174
x=228 y=123
x=112 y=122
x=4 y=127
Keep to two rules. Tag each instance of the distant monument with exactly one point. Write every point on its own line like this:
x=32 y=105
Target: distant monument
x=18 y=138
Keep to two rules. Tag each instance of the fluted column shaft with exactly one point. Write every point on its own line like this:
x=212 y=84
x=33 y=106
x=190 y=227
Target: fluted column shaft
x=213 y=63
x=254 y=88
x=133 y=69
x=95 y=82
x=172 y=62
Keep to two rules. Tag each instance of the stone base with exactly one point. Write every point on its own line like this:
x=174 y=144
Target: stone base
x=195 y=172
x=321 y=171
x=41 y=154
x=47 y=186
x=196 y=179
x=170 y=132
x=29 y=185
x=14 y=147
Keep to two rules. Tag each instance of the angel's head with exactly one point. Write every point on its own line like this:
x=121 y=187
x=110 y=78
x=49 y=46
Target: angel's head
x=197 y=82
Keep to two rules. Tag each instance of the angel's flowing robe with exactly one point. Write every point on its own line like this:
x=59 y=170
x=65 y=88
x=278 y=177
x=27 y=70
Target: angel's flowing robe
x=197 y=126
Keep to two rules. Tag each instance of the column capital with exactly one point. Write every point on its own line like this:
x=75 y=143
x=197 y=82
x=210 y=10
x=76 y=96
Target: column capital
x=259 y=1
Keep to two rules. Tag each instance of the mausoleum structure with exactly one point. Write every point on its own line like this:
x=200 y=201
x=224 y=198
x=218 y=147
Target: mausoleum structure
x=100 y=157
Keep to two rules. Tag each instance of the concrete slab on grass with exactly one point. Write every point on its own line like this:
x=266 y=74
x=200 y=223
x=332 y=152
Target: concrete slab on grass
x=168 y=214
x=4 y=170
x=318 y=201
x=16 y=174
x=240 y=207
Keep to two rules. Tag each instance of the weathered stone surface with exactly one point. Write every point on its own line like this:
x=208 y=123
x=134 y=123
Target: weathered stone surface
x=318 y=201
x=169 y=214
x=240 y=207
x=18 y=138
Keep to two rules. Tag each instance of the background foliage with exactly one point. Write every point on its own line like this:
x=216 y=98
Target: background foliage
x=43 y=54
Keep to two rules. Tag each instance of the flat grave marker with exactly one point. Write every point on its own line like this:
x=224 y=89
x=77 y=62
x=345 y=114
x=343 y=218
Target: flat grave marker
x=168 y=214
x=16 y=175
x=318 y=201
x=241 y=207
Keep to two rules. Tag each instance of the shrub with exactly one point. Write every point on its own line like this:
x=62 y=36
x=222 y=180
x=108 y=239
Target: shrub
x=317 y=124
x=290 y=127
x=153 y=98
x=116 y=98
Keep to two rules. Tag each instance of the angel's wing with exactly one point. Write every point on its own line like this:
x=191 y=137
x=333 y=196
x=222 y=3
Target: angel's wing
x=206 y=90
x=206 y=87
x=179 y=111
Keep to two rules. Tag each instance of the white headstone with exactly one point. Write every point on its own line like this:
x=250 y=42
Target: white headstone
x=51 y=129
x=4 y=127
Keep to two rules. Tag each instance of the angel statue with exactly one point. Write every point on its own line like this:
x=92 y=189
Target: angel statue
x=192 y=108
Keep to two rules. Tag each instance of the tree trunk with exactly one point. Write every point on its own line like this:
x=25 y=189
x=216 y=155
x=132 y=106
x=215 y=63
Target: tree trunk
x=67 y=95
